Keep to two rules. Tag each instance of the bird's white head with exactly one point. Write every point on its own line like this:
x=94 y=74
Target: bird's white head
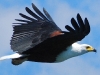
x=82 y=48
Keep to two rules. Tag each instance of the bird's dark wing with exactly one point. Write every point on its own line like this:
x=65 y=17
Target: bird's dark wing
x=79 y=30
x=32 y=31
x=51 y=47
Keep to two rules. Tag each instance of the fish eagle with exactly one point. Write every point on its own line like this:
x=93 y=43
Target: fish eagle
x=39 y=39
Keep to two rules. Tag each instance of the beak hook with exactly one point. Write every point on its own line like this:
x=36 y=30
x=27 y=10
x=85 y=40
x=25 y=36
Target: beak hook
x=94 y=50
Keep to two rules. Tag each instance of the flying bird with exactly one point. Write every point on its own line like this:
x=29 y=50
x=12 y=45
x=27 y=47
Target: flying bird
x=39 y=39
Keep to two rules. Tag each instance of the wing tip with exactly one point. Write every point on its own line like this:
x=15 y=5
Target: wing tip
x=33 y=6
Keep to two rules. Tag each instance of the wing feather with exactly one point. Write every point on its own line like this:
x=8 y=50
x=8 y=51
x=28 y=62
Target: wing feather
x=26 y=17
x=47 y=14
x=75 y=25
x=38 y=12
x=70 y=29
x=32 y=14
x=87 y=26
x=80 y=22
x=22 y=20
x=32 y=31
x=81 y=29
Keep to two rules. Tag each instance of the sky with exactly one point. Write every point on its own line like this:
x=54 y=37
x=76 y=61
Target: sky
x=61 y=11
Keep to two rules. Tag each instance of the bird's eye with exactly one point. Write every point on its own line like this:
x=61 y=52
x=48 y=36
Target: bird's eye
x=87 y=47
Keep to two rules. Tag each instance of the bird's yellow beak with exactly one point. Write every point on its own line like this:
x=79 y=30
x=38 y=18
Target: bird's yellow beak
x=91 y=49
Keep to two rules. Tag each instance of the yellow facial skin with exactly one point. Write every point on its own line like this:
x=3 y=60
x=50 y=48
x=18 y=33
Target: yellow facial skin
x=90 y=49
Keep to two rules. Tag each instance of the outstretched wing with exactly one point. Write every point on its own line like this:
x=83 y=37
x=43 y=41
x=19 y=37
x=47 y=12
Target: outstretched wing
x=79 y=30
x=32 y=31
x=51 y=47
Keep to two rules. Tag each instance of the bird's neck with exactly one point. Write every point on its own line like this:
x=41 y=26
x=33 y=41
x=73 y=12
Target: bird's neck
x=71 y=51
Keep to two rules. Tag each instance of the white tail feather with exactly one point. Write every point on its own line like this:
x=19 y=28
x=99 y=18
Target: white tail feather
x=16 y=55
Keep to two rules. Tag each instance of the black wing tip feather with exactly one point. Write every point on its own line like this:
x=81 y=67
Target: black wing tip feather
x=39 y=12
x=84 y=26
x=28 y=19
x=33 y=5
x=27 y=9
x=81 y=28
x=78 y=15
x=70 y=29
x=20 y=14
x=47 y=15
x=37 y=15
x=87 y=25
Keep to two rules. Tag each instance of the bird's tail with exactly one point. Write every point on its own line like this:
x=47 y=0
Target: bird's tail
x=16 y=55
x=18 y=61
x=16 y=58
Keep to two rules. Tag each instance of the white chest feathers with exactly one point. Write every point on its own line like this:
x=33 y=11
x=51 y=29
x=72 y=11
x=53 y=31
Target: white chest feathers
x=74 y=50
